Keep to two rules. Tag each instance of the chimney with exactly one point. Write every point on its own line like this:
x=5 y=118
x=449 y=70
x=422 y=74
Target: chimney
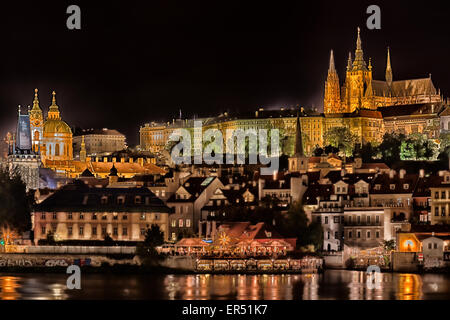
x=105 y=159
x=402 y=173
x=96 y=159
x=421 y=173
x=261 y=184
x=391 y=174
x=130 y=160
x=122 y=160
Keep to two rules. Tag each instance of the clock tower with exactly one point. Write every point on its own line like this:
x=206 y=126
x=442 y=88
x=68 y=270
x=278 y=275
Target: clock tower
x=36 y=123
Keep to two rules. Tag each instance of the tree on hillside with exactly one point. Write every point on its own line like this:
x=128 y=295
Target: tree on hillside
x=390 y=147
x=341 y=138
x=16 y=203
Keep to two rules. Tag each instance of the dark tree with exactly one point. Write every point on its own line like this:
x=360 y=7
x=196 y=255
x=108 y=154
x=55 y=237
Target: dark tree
x=154 y=236
x=108 y=240
x=16 y=203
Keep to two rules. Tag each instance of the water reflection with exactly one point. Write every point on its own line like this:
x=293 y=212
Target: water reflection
x=333 y=284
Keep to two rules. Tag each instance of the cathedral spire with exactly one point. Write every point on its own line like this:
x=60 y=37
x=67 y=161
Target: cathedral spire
x=53 y=110
x=298 y=138
x=36 y=101
x=332 y=67
x=349 y=61
x=359 y=62
x=388 y=68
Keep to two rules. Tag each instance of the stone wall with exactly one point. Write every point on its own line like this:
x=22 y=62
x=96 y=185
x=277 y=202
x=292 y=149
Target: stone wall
x=405 y=261
x=61 y=260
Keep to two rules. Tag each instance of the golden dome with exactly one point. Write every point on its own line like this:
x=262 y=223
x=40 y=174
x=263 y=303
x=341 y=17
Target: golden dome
x=56 y=126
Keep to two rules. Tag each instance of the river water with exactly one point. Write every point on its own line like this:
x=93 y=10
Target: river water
x=333 y=284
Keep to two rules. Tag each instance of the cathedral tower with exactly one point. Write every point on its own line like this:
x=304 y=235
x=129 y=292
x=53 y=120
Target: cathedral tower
x=298 y=162
x=388 y=69
x=332 y=99
x=359 y=79
x=36 y=122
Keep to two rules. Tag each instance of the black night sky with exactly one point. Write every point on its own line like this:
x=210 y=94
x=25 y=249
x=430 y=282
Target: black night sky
x=137 y=61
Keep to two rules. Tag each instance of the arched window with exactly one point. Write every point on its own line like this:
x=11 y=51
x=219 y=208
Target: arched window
x=57 y=149
x=36 y=135
x=49 y=151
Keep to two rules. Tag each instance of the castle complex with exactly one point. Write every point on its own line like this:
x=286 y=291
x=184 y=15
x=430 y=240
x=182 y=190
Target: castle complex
x=360 y=91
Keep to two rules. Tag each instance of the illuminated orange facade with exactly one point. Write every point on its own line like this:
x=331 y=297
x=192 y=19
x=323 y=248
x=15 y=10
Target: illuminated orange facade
x=408 y=242
x=360 y=91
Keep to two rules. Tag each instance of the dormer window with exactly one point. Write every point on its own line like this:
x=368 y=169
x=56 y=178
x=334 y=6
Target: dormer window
x=392 y=186
x=121 y=200
x=377 y=186
x=104 y=200
x=137 y=200
x=405 y=186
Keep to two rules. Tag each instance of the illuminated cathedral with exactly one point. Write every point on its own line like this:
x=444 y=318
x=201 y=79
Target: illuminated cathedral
x=52 y=137
x=360 y=91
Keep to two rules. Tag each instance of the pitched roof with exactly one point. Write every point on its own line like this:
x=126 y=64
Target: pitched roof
x=383 y=182
x=410 y=110
x=80 y=197
x=402 y=88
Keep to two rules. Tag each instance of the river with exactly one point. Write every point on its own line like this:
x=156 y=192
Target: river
x=333 y=284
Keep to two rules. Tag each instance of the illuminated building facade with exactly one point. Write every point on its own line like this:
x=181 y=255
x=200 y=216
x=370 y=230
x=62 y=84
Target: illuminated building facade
x=360 y=91
x=99 y=141
x=57 y=136
x=80 y=212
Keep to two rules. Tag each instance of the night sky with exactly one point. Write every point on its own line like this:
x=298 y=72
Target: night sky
x=137 y=61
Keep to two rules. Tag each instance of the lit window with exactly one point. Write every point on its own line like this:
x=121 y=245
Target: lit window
x=188 y=223
x=180 y=223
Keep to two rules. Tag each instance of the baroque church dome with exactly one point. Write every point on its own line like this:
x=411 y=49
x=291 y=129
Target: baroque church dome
x=54 y=123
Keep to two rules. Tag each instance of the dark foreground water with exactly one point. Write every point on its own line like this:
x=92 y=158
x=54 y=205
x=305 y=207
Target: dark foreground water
x=333 y=284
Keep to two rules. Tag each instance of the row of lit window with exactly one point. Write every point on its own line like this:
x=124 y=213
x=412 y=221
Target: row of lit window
x=443 y=211
x=356 y=219
x=94 y=216
x=181 y=223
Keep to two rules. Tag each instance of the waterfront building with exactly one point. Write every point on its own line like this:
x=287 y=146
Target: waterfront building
x=80 y=212
x=187 y=203
x=440 y=199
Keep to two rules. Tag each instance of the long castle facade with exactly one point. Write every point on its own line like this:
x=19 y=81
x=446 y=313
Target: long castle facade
x=361 y=91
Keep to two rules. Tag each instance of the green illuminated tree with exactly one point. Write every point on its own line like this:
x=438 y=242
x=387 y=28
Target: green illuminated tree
x=341 y=138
